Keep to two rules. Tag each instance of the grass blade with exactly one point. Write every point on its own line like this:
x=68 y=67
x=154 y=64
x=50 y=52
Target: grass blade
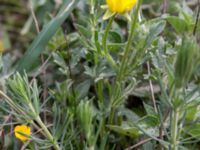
x=44 y=36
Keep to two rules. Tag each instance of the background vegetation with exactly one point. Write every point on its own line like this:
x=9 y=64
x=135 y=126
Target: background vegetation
x=81 y=82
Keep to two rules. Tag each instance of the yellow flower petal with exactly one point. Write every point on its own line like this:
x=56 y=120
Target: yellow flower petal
x=20 y=130
x=121 y=6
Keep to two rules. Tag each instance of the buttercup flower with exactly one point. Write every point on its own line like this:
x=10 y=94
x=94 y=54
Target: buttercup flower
x=20 y=130
x=120 y=6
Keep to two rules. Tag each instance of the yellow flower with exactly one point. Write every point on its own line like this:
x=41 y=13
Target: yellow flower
x=121 y=6
x=20 y=130
x=1 y=46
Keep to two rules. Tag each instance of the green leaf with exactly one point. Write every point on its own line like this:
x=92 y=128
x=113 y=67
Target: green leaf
x=155 y=29
x=194 y=130
x=191 y=113
x=44 y=36
x=115 y=37
x=149 y=109
x=177 y=23
x=148 y=121
x=83 y=88
x=126 y=131
x=83 y=30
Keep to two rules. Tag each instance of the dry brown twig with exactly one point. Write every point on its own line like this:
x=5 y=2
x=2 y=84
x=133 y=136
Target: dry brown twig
x=139 y=144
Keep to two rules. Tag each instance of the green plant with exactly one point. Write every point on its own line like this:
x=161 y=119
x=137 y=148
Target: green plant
x=106 y=79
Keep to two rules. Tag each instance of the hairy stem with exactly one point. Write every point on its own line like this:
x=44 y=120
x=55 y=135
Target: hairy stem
x=104 y=43
x=174 y=129
x=129 y=43
x=48 y=134
x=122 y=68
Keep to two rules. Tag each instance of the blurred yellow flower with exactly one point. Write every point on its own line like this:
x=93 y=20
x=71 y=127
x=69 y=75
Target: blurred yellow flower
x=1 y=46
x=121 y=6
x=20 y=130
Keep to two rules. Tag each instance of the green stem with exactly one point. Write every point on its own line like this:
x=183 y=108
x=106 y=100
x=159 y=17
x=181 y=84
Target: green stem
x=99 y=89
x=47 y=133
x=105 y=36
x=174 y=129
x=111 y=117
x=128 y=45
x=125 y=57
x=104 y=42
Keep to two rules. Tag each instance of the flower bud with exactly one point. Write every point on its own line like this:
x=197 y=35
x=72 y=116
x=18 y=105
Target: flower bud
x=186 y=61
